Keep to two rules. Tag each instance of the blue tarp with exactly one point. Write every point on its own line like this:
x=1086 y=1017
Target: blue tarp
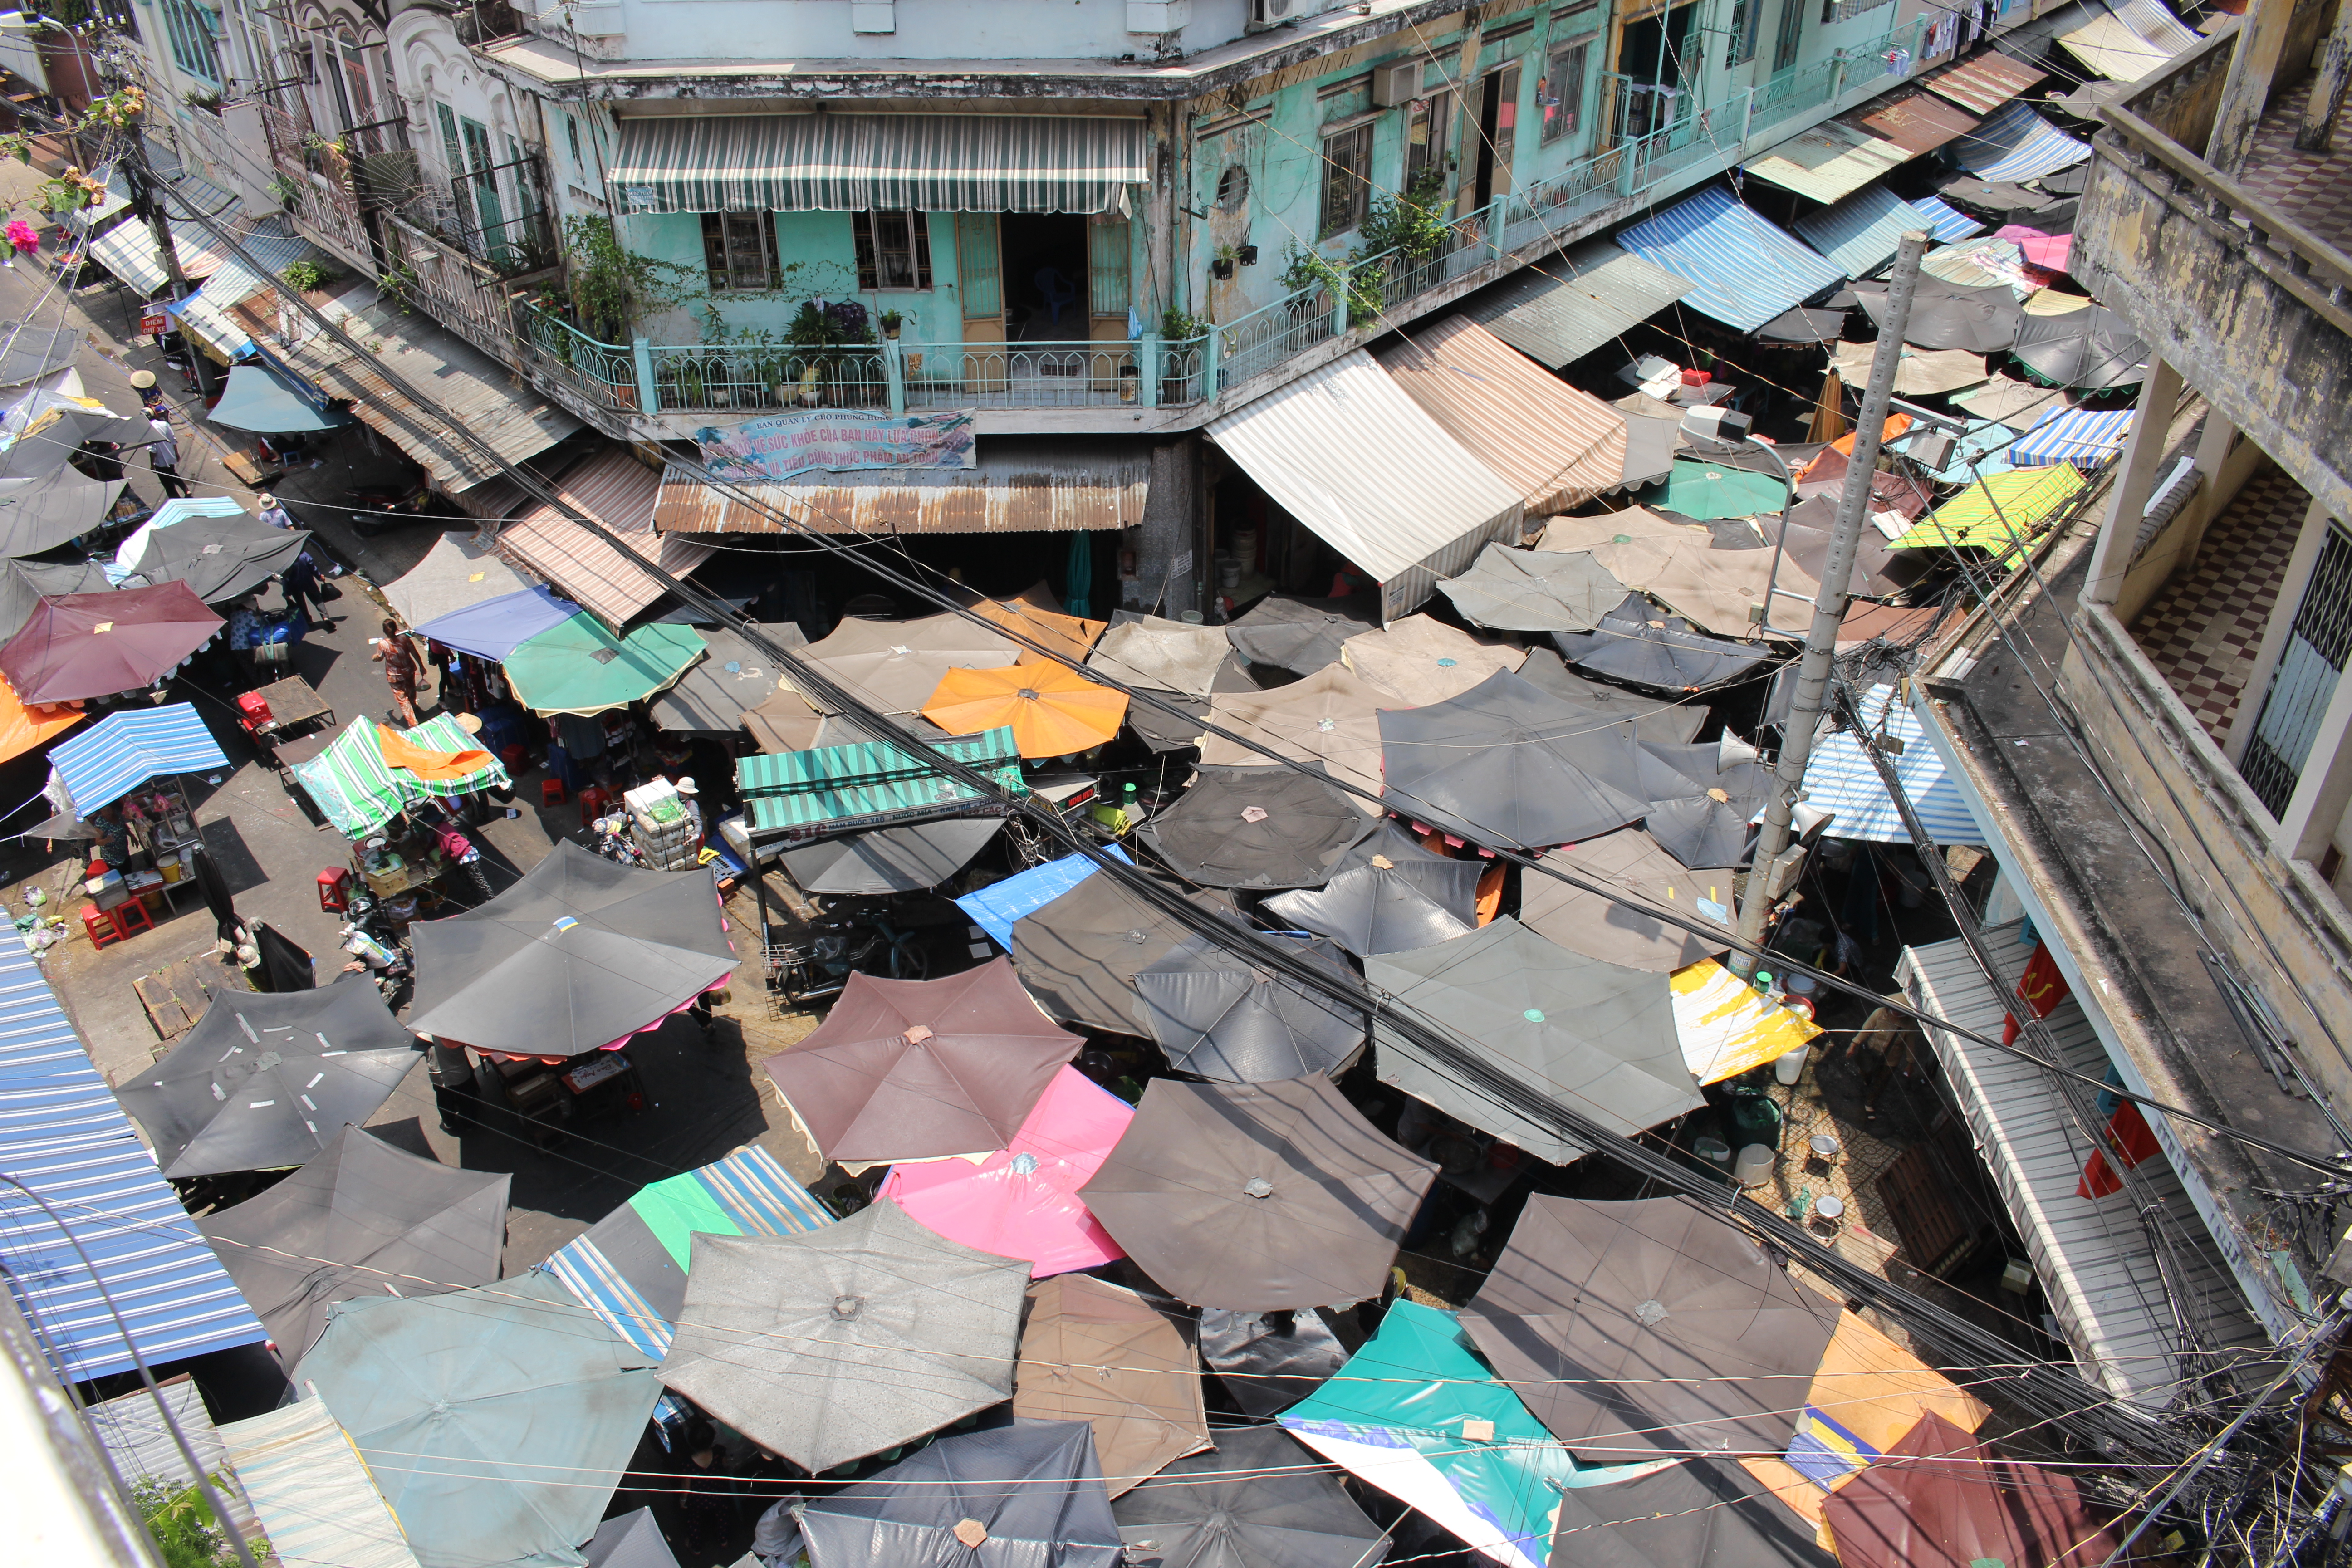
x=261 y=399
x=995 y=908
x=63 y=1135
x=123 y=750
x=2086 y=437
x=1982 y=450
x=1840 y=778
x=2019 y=144
x=1743 y=271
x=496 y=628
x=1860 y=233
x=1950 y=223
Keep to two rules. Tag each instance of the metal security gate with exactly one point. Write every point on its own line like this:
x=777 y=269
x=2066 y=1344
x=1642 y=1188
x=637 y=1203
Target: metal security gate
x=2304 y=681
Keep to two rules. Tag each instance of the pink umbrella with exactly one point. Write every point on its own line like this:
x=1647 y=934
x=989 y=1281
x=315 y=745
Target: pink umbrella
x=1022 y=1201
x=2050 y=250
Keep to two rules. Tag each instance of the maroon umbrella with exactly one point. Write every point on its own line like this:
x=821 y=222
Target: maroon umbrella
x=921 y=1070
x=1940 y=1499
x=79 y=646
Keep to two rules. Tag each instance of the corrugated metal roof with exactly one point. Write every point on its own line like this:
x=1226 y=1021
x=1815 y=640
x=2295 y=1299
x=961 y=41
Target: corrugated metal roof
x=1912 y=119
x=1347 y=454
x=471 y=389
x=64 y=1136
x=1016 y=485
x=312 y=1491
x=1746 y=270
x=1985 y=83
x=2095 y=1257
x=1994 y=513
x=2019 y=144
x=128 y=251
x=1949 y=222
x=1557 y=446
x=206 y=313
x=1563 y=307
x=2086 y=437
x=1839 y=778
x=618 y=491
x=1828 y=161
x=1860 y=233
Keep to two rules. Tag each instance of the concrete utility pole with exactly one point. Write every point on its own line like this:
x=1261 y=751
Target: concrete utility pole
x=149 y=204
x=1766 y=877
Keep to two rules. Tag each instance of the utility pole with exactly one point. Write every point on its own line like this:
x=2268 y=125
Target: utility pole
x=1766 y=876
x=149 y=204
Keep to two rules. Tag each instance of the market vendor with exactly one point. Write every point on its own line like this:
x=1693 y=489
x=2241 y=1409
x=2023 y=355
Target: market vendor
x=113 y=838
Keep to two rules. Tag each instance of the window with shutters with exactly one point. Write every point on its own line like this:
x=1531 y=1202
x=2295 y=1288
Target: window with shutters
x=894 y=250
x=2318 y=646
x=1347 y=178
x=1426 y=124
x=1560 y=96
x=739 y=249
x=189 y=35
x=1792 y=34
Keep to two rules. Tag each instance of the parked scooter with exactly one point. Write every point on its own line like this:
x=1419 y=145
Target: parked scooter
x=375 y=509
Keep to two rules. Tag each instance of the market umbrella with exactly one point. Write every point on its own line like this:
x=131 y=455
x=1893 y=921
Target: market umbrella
x=1257 y=1501
x=1649 y=1327
x=1420 y=660
x=1399 y=897
x=2091 y=348
x=1918 y=372
x=1022 y=1201
x=1221 y=1015
x=1639 y=646
x=1497 y=764
x=1705 y=491
x=1533 y=591
x=1331 y=720
x=1726 y=591
x=579 y=954
x=786 y=722
x=1080 y=955
x=24 y=584
x=893 y=667
x=493 y=628
x=219 y=558
x=2020 y=405
x=39 y=514
x=1591 y=1034
x=1269 y=1361
x=1617 y=930
x=1257 y=1196
x=840 y=1343
x=1980 y=321
x=357 y=785
x=1877 y=569
x=578 y=666
x=95 y=645
x=2043 y=250
x=1029 y=1496
x=42 y=431
x=23 y=728
x=1166 y=656
x=1051 y=710
x=1035 y=615
x=1654 y=718
x=1170 y=721
x=497 y=1421
x=918 y=1069
x=1699 y=1514
x=265 y=1080
x=1940 y=1499
x=462 y=569
x=1300 y=635
x=1094 y=1353
x=629 y=1540
x=363 y=1218
x=891 y=859
x=728 y=682
x=261 y=398
x=1255 y=828
x=1708 y=833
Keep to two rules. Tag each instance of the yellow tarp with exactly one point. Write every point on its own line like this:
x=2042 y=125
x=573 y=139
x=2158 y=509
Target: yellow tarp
x=1726 y=1026
x=1995 y=512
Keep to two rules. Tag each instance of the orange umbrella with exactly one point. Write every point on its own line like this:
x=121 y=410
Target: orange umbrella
x=1050 y=709
x=1033 y=616
x=23 y=728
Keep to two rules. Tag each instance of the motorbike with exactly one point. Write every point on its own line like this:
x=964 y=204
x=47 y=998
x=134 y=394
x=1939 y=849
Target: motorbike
x=838 y=947
x=368 y=936
x=374 y=508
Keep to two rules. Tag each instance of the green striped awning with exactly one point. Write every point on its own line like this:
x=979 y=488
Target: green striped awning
x=865 y=163
x=359 y=793
x=1994 y=513
x=874 y=778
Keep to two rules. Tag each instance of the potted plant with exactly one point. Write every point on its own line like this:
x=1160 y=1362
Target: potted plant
x=1249 y=256
x=1221 y=265
x=891 y=322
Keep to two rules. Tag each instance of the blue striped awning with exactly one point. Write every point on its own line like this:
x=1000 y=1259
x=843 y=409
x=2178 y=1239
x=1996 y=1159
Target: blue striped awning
x=2019 y=144
x=1982 y=449
x=206 y=313
x=995 y=908
x=860 y=163
x=64 y=1136
x=1950 y=221
x=2086 y=437
x=1861 y=232
x=1743 y=271
x=123 y=750
x=1839 y=778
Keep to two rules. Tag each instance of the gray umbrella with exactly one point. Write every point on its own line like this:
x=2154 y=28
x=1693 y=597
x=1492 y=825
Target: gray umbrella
x=1594 y=1035
x=1699 y=1515
x=1025 y=1495
x=1708 y=833
x=1615 y=930
x=1080 y=955
x=1877 y=569
x=2091 y=348
x=1301 y=634
x=1533 y=591
x=891 y=859
x=1257 y=1196
x=720 y=687
x=1399 y=897
x=1257 y=1501
x=363 y=1219
x=1650 y=1328
x=1269 y=1361
x=43 y=430
x=35 y=352
x=1498 y=766
x=1222 y=1017
x=42 y=514
x=839 y=1342
x=630 y=1540
x=1952 y=315
x=219 y=558
x=1654 y=719
x=266 y=1080
x=1256 y=827
x=1170 y=721
x=24 y=583
x=1643 y=646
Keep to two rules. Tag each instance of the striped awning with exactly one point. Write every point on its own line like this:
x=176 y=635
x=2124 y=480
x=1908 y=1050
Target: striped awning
x=1860 y=233
x=1017 y=484
x=359 y=792
x=123 y=750
x=861 y=163
x=312 y=1492
x=129 y=251
x=206 y=312
x=618 y=491
x=1745 y=271
x=872 y=780
x=1949 y=223
x=1557 y=446
x=2130 y=41
x=2087 y=438
x=1994 y=513
x=66 y=1138
x=2019 y=144
x=1840 y=778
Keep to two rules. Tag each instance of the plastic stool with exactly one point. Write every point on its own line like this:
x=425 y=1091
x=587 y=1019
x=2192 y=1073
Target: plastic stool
x=593 y=801
x=131 y=918
x=99 y=926
x=335 y=889
x=517 y=761
x=551 y=792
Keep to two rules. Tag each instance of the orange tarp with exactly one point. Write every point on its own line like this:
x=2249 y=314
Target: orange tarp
x=400 y=753
x=23 y=728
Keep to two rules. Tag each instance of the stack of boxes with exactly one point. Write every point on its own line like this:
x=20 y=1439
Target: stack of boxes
x=662 y=827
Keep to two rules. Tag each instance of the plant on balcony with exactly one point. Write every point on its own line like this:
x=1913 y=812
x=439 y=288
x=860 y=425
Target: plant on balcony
x=891 y=322
x=286 y=191
x=1304 y=271
x=206 y=98
x=611 y=286
x=1181 y=326
x=1413 y=224
x=304 y=276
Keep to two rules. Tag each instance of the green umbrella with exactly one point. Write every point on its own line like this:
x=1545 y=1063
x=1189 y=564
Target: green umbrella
x=578 y=666
x=1706 y=490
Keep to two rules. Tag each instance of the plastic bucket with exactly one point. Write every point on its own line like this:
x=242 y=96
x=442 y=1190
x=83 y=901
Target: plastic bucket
x=1753 y=1165
x=1714 y=1151
x=1790 y=1067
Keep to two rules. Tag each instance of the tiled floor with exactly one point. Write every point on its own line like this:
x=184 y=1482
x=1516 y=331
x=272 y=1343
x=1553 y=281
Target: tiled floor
x=2311 y=189
x=2204 y=629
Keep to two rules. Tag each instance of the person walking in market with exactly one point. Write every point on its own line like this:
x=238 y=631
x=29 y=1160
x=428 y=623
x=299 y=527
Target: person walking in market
x=460 y=850
x=164 y=453
x=396 y=651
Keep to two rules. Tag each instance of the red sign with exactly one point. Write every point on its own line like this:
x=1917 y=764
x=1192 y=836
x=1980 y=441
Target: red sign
x=2040 y=988
x=158 y=322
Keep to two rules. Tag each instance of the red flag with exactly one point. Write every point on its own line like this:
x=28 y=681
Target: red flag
x=2042 y=988
x=2131 y=1138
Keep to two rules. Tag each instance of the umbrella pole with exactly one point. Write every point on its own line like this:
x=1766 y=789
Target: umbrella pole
x=1764 y=874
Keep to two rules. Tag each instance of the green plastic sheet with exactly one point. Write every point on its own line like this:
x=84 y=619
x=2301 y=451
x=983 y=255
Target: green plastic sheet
x=1707 y=490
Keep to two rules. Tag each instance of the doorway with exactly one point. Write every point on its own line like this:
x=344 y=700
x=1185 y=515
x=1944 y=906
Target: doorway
x=1045 y=277
x=1652 y=54
x=1499 y=119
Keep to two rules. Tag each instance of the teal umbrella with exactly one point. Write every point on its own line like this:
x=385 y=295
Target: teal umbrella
x=1707 y=490
x=497 y=1421
x=577 y=667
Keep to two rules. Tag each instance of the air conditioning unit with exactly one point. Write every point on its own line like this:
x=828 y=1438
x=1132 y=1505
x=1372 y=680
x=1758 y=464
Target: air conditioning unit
x=1396 y=82
x=1266 y=14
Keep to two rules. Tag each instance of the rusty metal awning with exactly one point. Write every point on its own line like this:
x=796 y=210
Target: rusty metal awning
x=1985 y=83
x=1016 y=485
x=617 y=489
x=1913 y=119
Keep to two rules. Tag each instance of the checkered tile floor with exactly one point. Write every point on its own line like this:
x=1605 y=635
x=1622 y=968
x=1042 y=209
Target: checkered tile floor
x=2203 y=630
x=2311 y=189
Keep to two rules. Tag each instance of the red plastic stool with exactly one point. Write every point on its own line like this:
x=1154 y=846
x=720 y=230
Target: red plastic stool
x=131 y=918
x=517 y=761
x=593 y=801
x=551 y=792
x=335 y=889
x=99 y=926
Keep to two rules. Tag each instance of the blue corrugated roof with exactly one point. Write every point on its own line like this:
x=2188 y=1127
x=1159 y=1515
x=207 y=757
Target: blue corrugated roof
x=996 y=907
x=2019 y=144
x=1951 y=222
x=123 y=750
x=1841 y=779
x=1861 y=232
x=63 y=1135
x=2086 y=437
x=1745 y=271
